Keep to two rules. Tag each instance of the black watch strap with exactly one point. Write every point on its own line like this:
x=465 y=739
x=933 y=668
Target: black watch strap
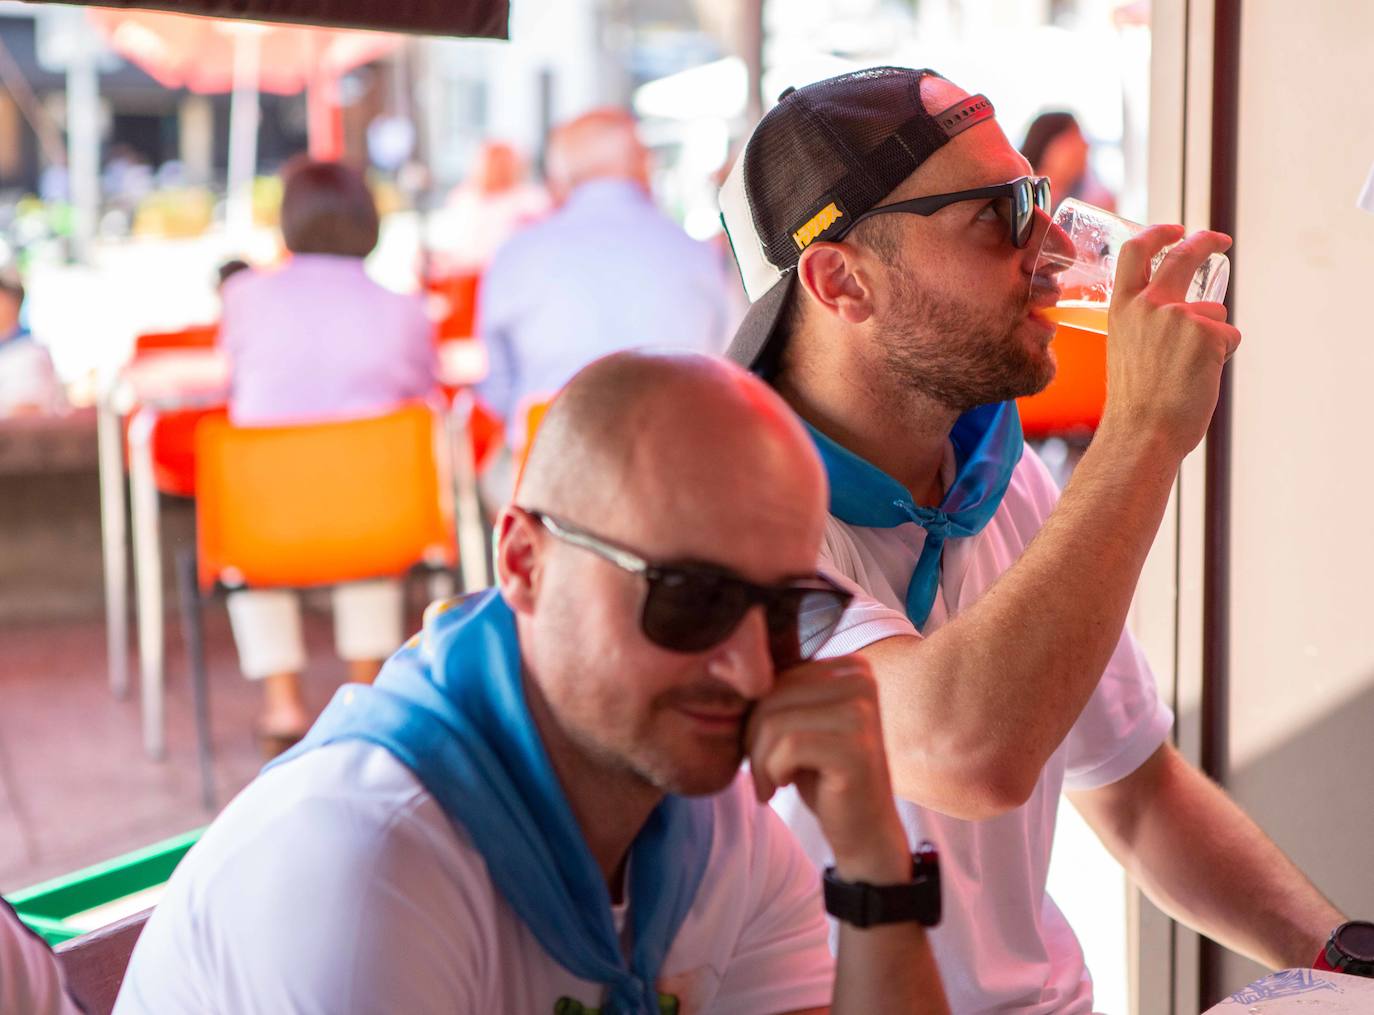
x=863 y=905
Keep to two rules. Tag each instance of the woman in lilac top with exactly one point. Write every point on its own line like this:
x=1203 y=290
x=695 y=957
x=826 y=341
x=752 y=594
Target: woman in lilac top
x=312 y=341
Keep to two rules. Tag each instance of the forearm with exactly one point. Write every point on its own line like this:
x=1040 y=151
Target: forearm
x=886 y=969
x=1202 y=860
x=972 y=713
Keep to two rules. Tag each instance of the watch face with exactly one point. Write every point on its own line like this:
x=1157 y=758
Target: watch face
x=1356 y=939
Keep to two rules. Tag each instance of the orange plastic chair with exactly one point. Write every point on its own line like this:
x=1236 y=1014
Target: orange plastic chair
x=320 y=504
x=305 y=506
x=534 y=416
x=1072 y=404
x=197 y=336
x=459 y=291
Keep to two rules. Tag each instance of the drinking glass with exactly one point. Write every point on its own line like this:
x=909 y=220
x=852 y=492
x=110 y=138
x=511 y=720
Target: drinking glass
x=1087 y=269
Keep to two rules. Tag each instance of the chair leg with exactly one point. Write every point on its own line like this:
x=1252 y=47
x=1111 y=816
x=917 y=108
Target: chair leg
x=467 y=506
x=195 y=653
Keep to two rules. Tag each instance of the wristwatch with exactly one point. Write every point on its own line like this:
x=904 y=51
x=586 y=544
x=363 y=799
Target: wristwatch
x=863 y=905
x=1349 y=950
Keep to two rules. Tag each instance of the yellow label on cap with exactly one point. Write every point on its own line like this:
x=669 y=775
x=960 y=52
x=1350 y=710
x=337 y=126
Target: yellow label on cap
x=819 y=223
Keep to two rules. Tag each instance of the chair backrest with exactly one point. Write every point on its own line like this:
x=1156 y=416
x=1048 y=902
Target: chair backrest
x=458 y=291
x=1072 y=404
x=533 y=410
x=197 y=336
x=94 y=964
x=320 y=504
x=174 y=431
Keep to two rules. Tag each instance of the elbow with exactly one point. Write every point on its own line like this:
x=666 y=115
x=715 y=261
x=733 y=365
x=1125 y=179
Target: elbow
x=1004 y=788
x=972 y=791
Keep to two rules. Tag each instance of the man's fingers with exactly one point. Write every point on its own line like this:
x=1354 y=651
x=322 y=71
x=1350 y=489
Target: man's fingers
x=796 y=751
x=1179 y=266
x=1133 y=263
x=1211 y=311
x=763 y=786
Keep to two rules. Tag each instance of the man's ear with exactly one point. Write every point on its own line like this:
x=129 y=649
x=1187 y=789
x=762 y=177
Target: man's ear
x=837 y=278
x=517 y=558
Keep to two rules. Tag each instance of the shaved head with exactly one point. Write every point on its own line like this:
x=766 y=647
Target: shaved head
x=685 y=462
x=640 y=428
x=602 y=144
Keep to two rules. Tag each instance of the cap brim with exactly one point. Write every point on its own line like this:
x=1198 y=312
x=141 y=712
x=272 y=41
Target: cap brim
x=758 y=345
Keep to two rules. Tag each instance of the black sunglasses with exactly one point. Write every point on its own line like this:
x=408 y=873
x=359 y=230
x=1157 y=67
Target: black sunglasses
x=694 y=607
x=1016 y=203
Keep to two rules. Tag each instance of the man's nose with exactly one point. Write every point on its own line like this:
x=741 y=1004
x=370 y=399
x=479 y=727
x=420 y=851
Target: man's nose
x=1049 y=245
x=743 y=661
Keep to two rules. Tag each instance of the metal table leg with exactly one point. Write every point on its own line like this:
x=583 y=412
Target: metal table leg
x=114 y=529
x=147 y=579
x=467 y=508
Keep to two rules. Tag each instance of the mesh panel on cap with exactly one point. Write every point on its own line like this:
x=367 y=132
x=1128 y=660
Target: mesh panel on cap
x=851 y=139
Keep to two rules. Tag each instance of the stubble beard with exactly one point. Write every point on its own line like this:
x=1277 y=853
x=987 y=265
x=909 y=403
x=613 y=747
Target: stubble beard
x=959 y=353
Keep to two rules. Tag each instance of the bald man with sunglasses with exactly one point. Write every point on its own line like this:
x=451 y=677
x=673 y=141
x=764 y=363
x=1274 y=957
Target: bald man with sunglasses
x=887 y=233
x=538 y=807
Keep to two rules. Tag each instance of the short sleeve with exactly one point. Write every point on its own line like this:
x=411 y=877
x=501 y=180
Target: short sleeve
x=781 y=961
x=866 y=620
x=27 y=379
x=423 y=352
x=232 y=298
x=1123 y=723
x=330 y=912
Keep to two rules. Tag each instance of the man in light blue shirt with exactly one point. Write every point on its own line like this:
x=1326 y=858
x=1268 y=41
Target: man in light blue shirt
x=606 y=271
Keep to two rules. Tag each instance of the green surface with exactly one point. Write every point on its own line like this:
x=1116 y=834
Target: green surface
x=46 y=906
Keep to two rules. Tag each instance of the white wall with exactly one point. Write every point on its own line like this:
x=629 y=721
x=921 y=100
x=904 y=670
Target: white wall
x=1302 y=581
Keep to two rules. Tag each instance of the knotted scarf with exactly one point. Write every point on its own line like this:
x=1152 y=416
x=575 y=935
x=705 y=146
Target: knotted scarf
x=451 y=707
x=987 y=445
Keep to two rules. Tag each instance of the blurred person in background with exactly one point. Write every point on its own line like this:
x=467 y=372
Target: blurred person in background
x=487 y=208
x=312 y=341
x=28 y=384
x=606 y=271
x=1055 y=147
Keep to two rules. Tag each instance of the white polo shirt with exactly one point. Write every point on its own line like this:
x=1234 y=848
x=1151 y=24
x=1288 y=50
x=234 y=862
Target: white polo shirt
x=1003 y=944
x=336 y=883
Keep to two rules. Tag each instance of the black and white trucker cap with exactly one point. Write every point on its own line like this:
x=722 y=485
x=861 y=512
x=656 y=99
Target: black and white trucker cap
x=819 y=159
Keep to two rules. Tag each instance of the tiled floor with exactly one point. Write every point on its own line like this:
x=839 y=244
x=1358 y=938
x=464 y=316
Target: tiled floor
x=75 y=785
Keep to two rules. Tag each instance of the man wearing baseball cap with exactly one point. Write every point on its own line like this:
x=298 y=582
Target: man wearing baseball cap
x=887 y=235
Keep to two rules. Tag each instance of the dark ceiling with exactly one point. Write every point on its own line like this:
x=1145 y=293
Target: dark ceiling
x=480 y=18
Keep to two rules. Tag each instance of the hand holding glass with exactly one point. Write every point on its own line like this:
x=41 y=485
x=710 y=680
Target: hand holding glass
x=1086 y=271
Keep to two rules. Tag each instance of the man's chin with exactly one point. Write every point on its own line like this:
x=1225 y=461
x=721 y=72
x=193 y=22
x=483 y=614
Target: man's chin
x=699 y=776
x=1038 y=369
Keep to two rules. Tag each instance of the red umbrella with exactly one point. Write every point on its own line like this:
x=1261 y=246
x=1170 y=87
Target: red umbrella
x=206 y=54
x=181 y=51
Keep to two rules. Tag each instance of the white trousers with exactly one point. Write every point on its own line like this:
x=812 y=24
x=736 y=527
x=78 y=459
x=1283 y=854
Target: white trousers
x=267 y=626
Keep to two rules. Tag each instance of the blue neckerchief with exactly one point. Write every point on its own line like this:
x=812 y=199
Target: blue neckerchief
x=451 y=707
x=987 y=445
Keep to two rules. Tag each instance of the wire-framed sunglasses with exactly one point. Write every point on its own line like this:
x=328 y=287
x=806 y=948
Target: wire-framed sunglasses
x=1016 y=204
x=692 y=607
